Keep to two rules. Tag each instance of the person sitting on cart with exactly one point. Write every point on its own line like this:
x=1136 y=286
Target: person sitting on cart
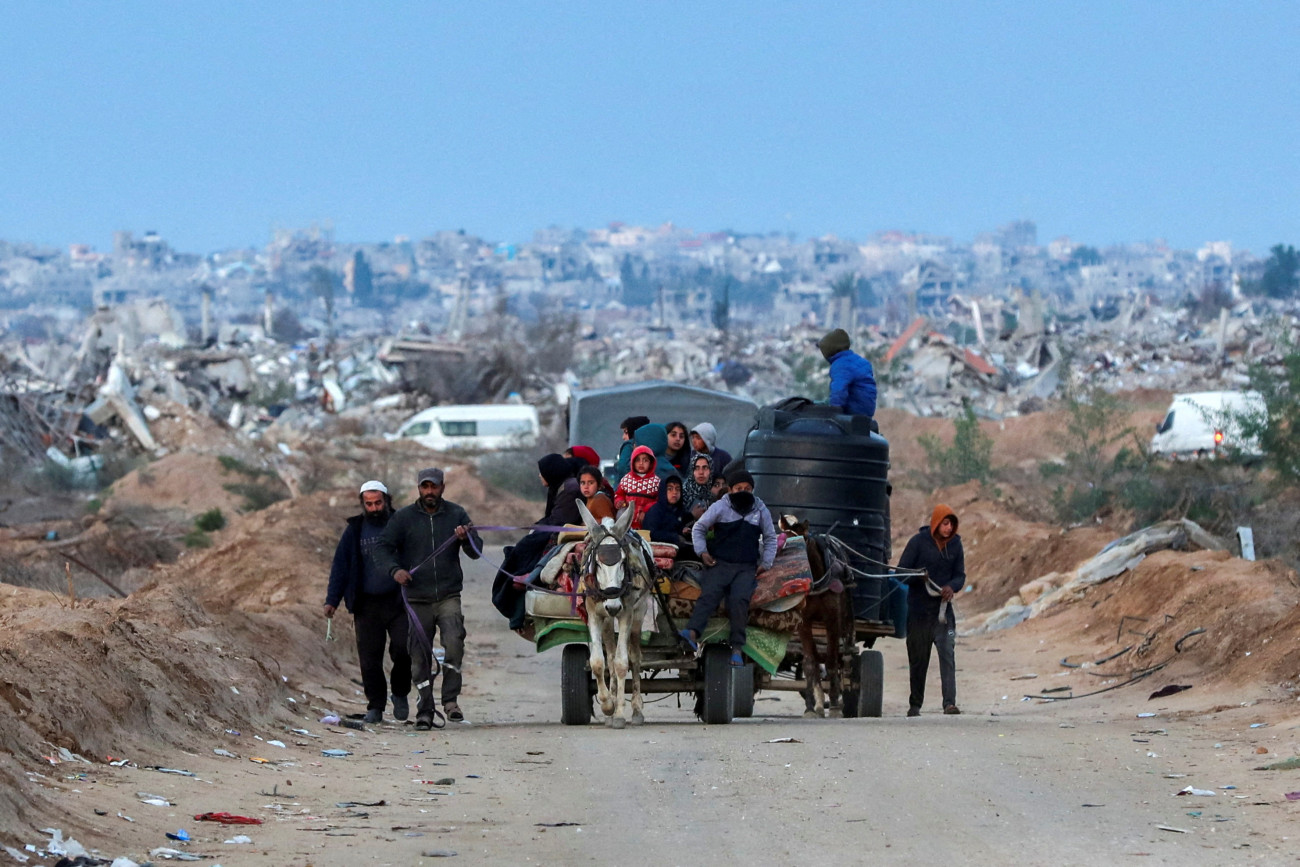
x=640 y=487
x=853 y=382
x=668 y=519
x=697 y=489
x=742 y=547
x=593 y=495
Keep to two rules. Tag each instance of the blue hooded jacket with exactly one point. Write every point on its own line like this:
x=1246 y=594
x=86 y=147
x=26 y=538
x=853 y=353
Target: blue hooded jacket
x=664 y=521
x=853 y=383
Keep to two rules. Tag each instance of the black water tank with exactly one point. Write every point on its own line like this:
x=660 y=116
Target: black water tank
x=832 y=470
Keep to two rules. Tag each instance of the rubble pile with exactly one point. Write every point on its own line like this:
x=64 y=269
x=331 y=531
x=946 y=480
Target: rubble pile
x=129 y=377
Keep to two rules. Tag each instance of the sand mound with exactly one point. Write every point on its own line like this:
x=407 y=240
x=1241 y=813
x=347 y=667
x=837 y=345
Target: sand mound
x=115 y=677
x=186 y=482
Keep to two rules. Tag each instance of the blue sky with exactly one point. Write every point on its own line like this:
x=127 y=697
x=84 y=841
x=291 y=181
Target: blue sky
x=214 y=122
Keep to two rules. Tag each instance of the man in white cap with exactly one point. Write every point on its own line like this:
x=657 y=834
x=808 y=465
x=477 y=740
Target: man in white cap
x=375 y=601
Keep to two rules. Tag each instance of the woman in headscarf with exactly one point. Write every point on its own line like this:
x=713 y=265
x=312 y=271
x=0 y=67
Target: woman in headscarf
x=562 y=496
x=697 y=489
x=555 y=470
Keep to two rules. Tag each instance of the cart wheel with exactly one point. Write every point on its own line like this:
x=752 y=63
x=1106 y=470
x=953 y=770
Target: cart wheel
x=575 y=685
x=743 y=684
x=870 y=666
x=719 y=685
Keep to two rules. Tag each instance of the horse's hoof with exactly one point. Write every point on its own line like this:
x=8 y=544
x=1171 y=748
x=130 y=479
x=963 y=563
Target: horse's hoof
x=811 y=714
x=609 y=722
x=617 y=722
x=638 y=718
x=835 y=713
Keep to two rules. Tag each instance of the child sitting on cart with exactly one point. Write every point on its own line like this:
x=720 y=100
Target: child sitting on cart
x=743 y=546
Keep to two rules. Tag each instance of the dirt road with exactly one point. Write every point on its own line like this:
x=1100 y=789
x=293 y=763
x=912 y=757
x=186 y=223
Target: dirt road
x=1082 y=782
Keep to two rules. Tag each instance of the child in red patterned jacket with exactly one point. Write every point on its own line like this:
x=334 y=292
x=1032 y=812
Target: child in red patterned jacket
x=640 y=487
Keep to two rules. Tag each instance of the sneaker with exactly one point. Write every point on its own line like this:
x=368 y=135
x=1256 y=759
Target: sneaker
x=737 y=659
x=689 y=637
x=423 y=724
x=913 y=711
x=401 y=708
x=373 y=717
x=951 y=709
x=453 y=711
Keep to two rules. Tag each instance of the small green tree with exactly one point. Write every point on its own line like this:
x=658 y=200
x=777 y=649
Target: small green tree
x=1087 y=477
x=970 y=457
x=1277 y=428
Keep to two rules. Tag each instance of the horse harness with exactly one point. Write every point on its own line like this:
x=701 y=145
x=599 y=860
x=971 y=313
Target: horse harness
x=608 y=555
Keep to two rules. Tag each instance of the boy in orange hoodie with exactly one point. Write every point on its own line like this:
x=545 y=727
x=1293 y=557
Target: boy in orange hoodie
x=937 y=550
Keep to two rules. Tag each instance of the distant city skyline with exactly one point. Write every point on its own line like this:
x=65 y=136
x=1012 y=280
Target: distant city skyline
x=1108 y=122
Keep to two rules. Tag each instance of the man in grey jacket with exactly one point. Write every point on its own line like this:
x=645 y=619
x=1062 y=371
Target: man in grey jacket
x=420 y=549
x=742 y=547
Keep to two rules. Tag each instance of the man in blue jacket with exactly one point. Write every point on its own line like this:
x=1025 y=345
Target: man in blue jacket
x=853 y=382
x=359 y=582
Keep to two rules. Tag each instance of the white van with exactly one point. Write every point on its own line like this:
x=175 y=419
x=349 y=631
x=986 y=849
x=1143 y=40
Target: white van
x=1206 y=424
x=473 y=426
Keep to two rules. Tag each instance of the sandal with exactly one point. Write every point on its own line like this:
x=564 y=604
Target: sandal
x=737 y=659
x=685 y=635
x=426 y=722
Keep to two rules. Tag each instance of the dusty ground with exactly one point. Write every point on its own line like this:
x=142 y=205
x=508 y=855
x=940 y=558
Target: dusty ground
x=231 y=638
x=1077 y=782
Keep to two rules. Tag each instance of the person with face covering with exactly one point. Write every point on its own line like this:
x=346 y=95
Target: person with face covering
x=640 y=487
x=410 y=540
x=937 y=550
x=375 y=600
x=704 y=441
x=743 y=546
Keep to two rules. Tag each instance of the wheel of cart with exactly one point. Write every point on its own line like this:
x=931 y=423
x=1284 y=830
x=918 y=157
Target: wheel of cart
x=577 y=686
x=743 y=690
x=718 y=687
x=866 y=691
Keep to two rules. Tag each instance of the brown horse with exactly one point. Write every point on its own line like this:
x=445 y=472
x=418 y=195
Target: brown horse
x=827 y=605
